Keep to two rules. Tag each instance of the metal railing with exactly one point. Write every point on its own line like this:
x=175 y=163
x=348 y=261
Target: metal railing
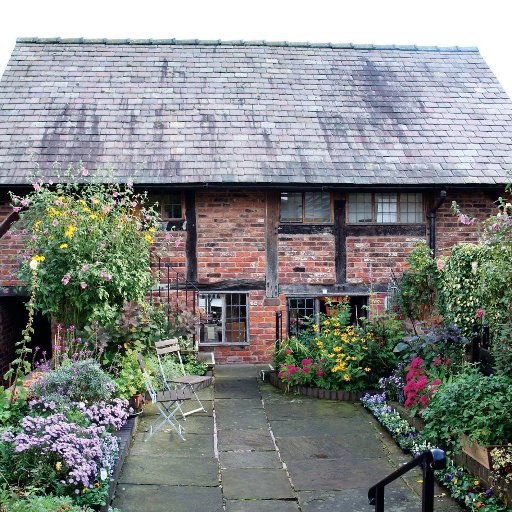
x=429 y=461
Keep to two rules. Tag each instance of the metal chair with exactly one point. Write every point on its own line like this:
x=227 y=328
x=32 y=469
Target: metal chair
x=168 y=402
x=184 y=382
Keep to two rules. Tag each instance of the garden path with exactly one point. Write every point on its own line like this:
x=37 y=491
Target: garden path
x=258 y=450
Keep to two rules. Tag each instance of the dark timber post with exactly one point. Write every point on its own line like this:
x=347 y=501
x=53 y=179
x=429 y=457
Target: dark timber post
x=191 y=244
x=340 y=241
x=272 y=223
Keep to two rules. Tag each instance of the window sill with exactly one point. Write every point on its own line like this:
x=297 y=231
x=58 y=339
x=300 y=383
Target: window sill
x=224 y=344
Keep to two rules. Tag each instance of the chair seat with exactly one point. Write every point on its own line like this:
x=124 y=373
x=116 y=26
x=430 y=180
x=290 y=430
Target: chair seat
x=191 y=379
x=173 y=395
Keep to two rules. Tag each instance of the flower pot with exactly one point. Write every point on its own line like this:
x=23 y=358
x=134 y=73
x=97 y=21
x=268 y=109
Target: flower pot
x=137 y=403
x=482 y=454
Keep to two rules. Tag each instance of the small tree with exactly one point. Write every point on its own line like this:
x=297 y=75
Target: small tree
x=89 y=238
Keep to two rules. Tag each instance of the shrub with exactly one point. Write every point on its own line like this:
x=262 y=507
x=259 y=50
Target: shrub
x=83 y=381
x=471 y=404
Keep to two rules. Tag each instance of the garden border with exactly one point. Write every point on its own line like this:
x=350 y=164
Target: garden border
x=325 y=394
x=125 y=436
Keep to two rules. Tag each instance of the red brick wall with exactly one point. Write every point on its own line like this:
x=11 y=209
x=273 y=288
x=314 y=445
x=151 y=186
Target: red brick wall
x=11 y=249
x=230 y=235
x=306 y=259
x=449 y=230
x=374 y=259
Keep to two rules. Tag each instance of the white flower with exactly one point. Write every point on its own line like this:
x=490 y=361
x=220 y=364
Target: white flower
x=34 y=264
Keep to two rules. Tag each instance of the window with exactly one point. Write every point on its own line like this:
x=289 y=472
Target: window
x=170 y=205
x=304 y=310
x=305 y=207
x=386 y=208
x=224 y=318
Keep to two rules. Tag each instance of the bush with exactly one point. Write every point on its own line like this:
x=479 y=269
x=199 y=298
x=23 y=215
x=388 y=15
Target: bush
x=471 y=404
x=39 y=504
x=83 y=381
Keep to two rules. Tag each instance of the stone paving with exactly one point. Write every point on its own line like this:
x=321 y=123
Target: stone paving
x=258 y=450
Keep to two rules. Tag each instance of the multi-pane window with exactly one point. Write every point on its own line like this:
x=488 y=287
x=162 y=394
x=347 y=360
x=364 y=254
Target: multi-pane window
x=304 y=311
x=385 y=207
x=301 y=311
x=224 y=318
x=305 y=207
x=170 y=205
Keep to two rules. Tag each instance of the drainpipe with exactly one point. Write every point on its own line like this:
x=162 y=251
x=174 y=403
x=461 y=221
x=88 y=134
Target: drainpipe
x=432 y=217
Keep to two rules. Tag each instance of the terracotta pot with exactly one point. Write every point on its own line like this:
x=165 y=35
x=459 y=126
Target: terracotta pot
x=137 y=402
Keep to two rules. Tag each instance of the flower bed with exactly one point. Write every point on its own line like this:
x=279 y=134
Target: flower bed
x=346 y=396
x=462 y=485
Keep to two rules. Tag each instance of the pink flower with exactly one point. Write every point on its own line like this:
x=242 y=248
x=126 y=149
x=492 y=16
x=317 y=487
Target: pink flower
x=307 y=361
x=440 y=264
x=305 y=369
x=479 y=313
x=177 y=243
x=85 y=268
x=129 y=183
x=320 y=373
x=416 y=362
x=85 y=172
x=467 y=221
x=36 y=186
x=288 y=351
x=16 y=209
x=55 y=223
x=437 y=361
x=83 y=285
x=65 y=279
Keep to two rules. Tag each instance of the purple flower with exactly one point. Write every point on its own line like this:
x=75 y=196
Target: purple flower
x=65 y=279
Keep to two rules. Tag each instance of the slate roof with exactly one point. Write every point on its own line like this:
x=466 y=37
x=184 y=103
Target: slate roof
x=255 y=112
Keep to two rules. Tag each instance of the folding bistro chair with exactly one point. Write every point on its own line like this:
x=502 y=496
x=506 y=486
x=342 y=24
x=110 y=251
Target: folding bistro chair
x=184 y=382
x=168 y=403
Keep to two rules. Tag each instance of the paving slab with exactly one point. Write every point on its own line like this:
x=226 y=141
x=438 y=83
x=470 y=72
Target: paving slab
x=164 y=498
x=242 y=418
x=250 y=439
x=200 y=471
x=256 y=483
x=325 y=474
x=261 y=506
x=168 y=444
x=232 y=405
x=321 y=427
x=232 y=460
x=229 y=388
x=355 y=500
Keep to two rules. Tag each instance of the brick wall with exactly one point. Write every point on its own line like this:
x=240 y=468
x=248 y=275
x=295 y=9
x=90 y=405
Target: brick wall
x=449 y=230
x=374 y=259
x=306 y=259
x=11 y=247
x=230 y=235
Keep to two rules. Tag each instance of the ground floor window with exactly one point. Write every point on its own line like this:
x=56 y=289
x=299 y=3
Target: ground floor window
x=303 y=311
x=224 y=318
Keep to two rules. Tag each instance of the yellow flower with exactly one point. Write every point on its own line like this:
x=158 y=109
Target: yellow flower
x=346 y=377
x=93 y=216
x=70 y=231
x=38 y=258
x=63 y=246
x=58 y=466
x=152 y=230
x=148 y=238
x=367 y=369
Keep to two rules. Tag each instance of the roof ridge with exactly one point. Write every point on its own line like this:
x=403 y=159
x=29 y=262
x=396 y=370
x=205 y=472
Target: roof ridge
x=220 y=42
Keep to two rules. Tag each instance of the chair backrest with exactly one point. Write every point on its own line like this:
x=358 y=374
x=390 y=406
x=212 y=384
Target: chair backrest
x=147 y=380
x=170 y=346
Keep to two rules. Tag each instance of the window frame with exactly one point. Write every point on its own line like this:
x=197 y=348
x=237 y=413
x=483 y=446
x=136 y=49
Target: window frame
x=374 y=220
x=160 y=199
x=303 y=218
x=221 y=295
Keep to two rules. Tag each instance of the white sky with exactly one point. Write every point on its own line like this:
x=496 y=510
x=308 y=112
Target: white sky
x=486 y=24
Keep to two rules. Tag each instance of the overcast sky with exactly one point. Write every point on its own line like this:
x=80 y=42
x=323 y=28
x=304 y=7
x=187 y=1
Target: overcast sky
x=485 y=24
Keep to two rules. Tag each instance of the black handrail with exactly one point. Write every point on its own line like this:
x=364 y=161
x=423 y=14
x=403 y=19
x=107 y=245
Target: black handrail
x=429 y=461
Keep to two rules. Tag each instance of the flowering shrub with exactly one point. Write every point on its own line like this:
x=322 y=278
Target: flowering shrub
x=418 y=388
x=90 y=242
x=332 y=354
x=83 y=381
x=462 y=486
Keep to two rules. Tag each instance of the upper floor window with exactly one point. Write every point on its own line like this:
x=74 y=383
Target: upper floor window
x=305 y=207
x=386 y=207
x=170 y=205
